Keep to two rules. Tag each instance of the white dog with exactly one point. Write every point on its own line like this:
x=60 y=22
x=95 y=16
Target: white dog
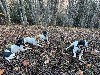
x=76 y=48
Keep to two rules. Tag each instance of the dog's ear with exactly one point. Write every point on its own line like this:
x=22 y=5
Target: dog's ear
x=44 y=32
x=81 y=42
x=20 y=41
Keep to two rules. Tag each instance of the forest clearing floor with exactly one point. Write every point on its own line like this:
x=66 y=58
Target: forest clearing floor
x=52 y=59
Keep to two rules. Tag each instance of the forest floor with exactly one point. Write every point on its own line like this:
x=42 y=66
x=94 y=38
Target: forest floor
x=54 y=56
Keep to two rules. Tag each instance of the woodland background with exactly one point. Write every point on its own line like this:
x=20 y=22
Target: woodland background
x=71 y=13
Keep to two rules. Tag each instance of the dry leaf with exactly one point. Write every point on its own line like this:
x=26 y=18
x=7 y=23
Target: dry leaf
x=1 y=71
x=25 y=62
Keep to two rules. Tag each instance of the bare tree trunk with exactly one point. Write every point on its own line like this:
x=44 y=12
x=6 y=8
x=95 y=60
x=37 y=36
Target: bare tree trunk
x=2 y=7
x=6 y=11
x=32 y=9
x=24 y=18
x=41 y=11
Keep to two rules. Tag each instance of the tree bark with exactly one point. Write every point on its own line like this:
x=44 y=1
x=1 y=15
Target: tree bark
x=6 y=11
x=24 y=18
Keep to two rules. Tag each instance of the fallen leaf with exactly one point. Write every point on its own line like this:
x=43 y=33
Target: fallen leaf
x=1 y=71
